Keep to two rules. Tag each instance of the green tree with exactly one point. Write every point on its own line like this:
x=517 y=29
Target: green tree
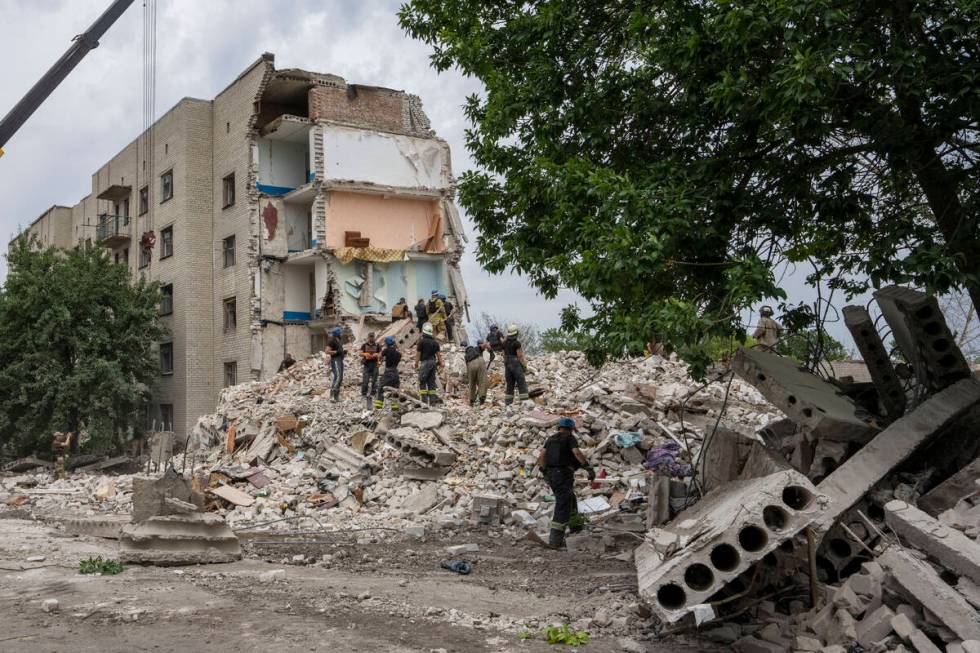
x=660 y=158
x=555 y=339
x=804 y=347
x=76 y=346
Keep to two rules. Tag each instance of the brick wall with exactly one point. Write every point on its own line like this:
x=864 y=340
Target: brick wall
x=375 y=108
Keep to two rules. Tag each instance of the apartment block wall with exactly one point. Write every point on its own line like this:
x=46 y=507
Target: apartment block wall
x=52 y=229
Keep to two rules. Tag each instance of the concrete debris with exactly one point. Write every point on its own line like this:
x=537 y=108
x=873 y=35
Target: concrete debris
x=193 y=538
x=954 y=550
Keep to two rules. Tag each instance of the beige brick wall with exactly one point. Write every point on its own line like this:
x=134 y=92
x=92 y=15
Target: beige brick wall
x=53 y=228
x=377 y=108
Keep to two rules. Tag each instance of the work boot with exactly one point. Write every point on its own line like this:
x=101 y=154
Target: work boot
x=556 y=538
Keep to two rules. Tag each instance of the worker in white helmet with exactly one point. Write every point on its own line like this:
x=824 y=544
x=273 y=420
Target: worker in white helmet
x=427 y=362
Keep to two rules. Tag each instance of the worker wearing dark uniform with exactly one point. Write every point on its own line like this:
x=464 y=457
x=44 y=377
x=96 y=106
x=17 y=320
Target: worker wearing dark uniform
x=428 y=361
x=450 y=317
x=421 y=313
x=287 y=362
x=392 y=357
x=370 y=355
x=335 y=349
x=514 y=366
x=495 y=339
x=558 y=461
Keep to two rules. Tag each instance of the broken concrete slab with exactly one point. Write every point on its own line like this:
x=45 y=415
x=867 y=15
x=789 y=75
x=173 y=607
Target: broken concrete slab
x=945 y=495
x=921 y=332
x=807 y=399
x=891 y=394
x=720 y=537
x=194 y=538
x=422 y=501
x=108 y=463
x=233 y=495
x=417 y=473
x=407 y=440
x=422 y=420
x=149 y=495
x=108 y=527
x=874 y=627
x=847 y=484
x=489 y=509
x=25 y=464
x=920 y=581
x=949 y=546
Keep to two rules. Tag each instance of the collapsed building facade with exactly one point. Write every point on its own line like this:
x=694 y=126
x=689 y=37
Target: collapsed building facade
x=290 y=203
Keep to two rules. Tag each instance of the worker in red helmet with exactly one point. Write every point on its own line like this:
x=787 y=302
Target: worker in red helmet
x=558 y=461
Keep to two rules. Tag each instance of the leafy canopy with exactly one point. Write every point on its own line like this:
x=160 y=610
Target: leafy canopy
x=662 y=158
x=76 y=346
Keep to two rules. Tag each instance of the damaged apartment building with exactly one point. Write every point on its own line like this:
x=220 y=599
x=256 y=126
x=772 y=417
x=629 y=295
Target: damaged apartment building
x=290 y=203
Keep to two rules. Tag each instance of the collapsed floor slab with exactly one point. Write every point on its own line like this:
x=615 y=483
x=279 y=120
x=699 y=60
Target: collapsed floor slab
x=184 y=539
x=955 y=550
x=875 y=356
x=712 y=543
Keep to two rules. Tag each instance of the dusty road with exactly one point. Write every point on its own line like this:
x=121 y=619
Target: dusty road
x=383 y=596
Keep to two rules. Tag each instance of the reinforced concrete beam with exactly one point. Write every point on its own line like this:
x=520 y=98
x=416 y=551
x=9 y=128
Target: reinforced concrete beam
x=949 y=546
x=890 y=391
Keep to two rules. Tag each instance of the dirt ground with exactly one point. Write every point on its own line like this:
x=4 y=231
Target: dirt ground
x=367 y=596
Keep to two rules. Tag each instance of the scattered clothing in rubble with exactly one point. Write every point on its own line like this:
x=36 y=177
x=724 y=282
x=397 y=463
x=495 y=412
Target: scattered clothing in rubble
x=666 y=456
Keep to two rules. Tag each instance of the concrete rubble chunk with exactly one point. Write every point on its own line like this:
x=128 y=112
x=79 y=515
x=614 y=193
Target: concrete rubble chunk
x=195 y=538
x=847 y=484
x=873 y=353
x=945 y=495
x=921 y=332
x=949 y=546
x=422 y=420
x=489 y=509
x=150 y=494
x=720 y=537
x=422 y=501
x=875 y=626
x=407 y=440
x=752 y=645
x=921 y=643
x=920 y=581
x=808 y=400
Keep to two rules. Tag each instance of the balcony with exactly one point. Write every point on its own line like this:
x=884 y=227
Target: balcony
x=112 y=230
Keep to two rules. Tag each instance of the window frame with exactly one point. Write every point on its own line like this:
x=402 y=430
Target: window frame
x=168 y=346
x=163 y=419
x=144 y=200
x=167 y=294
x=230 y=366
x=225 y=194
x=146 y=255
x=164 y=197
x=164 y=254
x=225 y=251
x=225 y=303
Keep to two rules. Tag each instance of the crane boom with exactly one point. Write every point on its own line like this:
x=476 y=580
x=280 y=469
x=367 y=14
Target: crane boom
x=80 y=46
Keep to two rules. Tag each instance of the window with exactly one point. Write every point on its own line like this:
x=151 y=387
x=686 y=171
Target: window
x=167 y=358
x=166 y=186
x=228 y=250
x=228 y=190
x=145 y=257
x=167 y=243
x=125 y=211
x=231 y=374
x=231 y=316
x=144 y=200
x=166 y=417
x=126 y=256
x=167 y=299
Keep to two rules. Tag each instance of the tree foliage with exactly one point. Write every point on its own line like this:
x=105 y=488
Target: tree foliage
x=662 y=158
x=555 y=339
x=76 y=345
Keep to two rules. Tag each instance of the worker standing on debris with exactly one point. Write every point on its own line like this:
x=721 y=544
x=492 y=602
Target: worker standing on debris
x=427 y=363
x=370 y=355
x=515 y=366
x=335 y=349
x=495 y=339
x=558 y=461
x=476 y=371
x=769 y=331
x=392 y=357
x=450 y=317
x=421 y=313
x=437 y=316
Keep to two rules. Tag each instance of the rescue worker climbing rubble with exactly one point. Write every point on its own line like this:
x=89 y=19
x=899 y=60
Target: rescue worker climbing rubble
x=558 y=461
x=768 y=332
x=437 y=315
x=335 y=349
x=428 y=361
x=370 y=355
x=392 y=357
x=515 y=367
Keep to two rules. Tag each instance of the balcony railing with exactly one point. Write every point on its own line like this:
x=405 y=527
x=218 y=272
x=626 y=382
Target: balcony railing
x=112 y=230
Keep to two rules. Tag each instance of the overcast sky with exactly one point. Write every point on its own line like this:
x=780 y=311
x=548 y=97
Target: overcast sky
x=201 y=47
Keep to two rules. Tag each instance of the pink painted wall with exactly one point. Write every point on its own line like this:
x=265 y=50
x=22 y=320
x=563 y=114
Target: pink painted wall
x=388 y=222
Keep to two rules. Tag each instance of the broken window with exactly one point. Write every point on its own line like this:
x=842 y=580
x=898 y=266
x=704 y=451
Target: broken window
x=166 y=186
x=231 y=315
x=144 y=200
x=145 y=257
x=228 y=250
x=167 y=299
x=166 y=417
x=231 y=374
x=228 y=190
x=167 y=243
x=167 y=358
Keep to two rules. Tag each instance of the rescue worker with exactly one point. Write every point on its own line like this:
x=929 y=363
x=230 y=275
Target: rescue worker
x=476 y=371
x=400 y=311
x=495 y=339
x=515 y=366
x=392 y=357
x=421 y=313
x=287 y=362
x=769 y=331
x=335 y=349
x=450 y=317
x=437 y=316
x=428 y=361
x=370 y=355
x=558 y=461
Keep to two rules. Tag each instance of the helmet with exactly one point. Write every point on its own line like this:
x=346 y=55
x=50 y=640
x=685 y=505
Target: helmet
x=442 y=297
x=389 y=340
x=512 y=329
x=435 y=293
x=336 y=331
x=464 y=343
x=766 y=310
x=427 y=328
x=494 y=327
x=566 y=423
x=370 y=334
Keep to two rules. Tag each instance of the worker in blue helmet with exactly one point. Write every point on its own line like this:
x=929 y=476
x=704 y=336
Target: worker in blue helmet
x=389 y=379
x=558 y=461
x=335 y=349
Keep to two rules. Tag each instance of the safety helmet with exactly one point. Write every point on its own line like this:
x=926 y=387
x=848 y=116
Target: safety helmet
x=435 y=293
x=427 y=328
x=442 y=297
x=766 y=310
x=336 y=331
x=389 y=340
x=494 y=327
x=512 y=329
x=464 y=344
x=566 y=423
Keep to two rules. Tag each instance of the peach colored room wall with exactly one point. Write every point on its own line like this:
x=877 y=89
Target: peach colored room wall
x=390 y=223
